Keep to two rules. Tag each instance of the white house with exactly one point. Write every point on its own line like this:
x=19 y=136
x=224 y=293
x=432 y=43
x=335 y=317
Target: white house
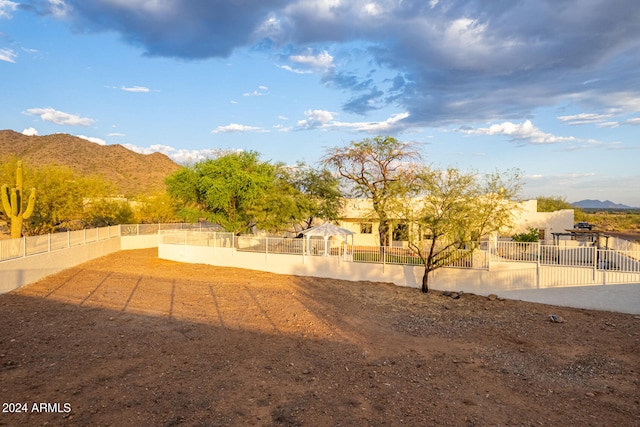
x=358 y=217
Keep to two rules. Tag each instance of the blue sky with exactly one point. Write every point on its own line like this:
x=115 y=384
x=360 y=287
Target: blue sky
x=549 y=87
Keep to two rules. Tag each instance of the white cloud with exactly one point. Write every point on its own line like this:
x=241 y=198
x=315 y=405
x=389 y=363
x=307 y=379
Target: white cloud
x=373 y=9
x=294 y=70
x=585 y=118
x=116 y=134
x=282 y=128
x=95 y=140
x=634 y=121
x=178 y=155
x=270 y=28
x=59 y=8
x=136 y=89
x=60 y=117
x=7 y=55
x=315 y=118
x=525 y=132
x=323 y=61
x=262 y=90
x=237 y=128
x=322 y=119
x=6 y=7
x=30 y=132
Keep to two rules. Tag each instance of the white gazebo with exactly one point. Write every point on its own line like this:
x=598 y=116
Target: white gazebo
x=327 y=230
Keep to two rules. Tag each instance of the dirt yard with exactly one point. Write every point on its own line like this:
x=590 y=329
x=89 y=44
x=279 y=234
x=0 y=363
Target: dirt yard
x=131 y=340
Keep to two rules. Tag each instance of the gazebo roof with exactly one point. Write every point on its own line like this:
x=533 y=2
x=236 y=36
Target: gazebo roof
x=327 y=229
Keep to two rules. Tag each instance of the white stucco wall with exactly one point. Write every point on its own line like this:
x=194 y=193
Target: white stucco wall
x=509 y=280
x=551 y=222
x=18 y=272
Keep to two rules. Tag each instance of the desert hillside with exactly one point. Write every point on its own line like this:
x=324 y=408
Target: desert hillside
x=132 y=173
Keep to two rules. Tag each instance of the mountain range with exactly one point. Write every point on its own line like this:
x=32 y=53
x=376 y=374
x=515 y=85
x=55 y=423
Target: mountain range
x=131 y=172
x=597 y=204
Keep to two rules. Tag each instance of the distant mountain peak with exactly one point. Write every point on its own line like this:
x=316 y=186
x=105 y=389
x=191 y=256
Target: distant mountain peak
x=131 y=172
x=597 y=204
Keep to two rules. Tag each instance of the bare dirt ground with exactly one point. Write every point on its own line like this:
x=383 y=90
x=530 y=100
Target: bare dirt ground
x=130 y=339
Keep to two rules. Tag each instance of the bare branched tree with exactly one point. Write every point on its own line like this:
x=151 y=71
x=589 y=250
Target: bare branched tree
x=380 y=169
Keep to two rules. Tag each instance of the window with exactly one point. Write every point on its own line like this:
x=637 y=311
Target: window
x=400 y=232
x=541 y=234
x=366 y=228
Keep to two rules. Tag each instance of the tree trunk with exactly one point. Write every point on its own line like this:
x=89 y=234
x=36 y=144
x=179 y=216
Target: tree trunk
x=383 y=229
x=425 y=282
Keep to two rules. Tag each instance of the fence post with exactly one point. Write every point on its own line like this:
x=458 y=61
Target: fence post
x=538 y=266
x=266 y=248
x=384 y=257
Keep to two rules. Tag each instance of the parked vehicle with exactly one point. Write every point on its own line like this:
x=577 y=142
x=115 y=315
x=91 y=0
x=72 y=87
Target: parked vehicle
x=582 y=226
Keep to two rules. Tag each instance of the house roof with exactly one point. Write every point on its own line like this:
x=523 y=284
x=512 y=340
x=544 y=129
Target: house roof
x=327 y=229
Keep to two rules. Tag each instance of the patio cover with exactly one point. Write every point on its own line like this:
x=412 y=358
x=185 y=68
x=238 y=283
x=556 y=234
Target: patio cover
x=327 y=230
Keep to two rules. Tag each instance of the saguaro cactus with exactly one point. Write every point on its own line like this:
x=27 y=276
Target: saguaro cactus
x=12 y=204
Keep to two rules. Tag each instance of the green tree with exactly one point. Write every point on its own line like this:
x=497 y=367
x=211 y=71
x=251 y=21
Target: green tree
x=556 y=203
x=156 y=208
x=67 y=199
x=102 y=212
x=319 y=194
x=532 y=235
x=453 y=210
x=63 y=197
x=379 y=169
x=237 y=191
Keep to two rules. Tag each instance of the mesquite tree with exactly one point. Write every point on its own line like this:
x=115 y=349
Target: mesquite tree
x=453 y=210
x=379 y=169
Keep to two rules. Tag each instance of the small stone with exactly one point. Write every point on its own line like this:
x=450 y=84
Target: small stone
x=590 y=394
x=555 y=318
x=492 y=297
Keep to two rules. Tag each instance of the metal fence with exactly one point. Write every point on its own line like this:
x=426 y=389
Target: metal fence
x=207 y=235
x=544 y=255
x=567 y=256
x=33 y=245
x=319 y=247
